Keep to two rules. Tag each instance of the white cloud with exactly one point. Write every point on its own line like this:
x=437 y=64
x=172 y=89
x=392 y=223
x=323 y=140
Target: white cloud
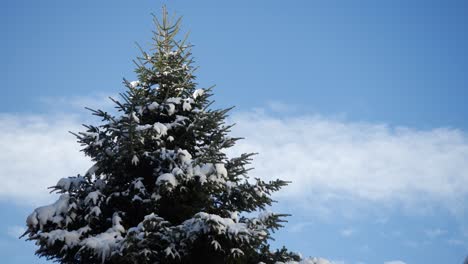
x=316 y=261
x=36 y=152
x=333 y=262
x=331 y=161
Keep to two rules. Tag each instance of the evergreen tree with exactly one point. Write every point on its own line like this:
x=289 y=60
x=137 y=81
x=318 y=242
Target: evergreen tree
x=162 y=190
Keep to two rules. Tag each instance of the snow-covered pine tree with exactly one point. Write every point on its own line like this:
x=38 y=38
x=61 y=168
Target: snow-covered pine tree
x=162 y=190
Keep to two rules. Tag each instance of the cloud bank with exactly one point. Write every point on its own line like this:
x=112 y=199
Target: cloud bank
x=395 y=262
x=328 y=160
x=36 y=151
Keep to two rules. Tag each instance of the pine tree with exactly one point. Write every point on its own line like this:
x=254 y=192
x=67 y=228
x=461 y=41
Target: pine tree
x=162 y=190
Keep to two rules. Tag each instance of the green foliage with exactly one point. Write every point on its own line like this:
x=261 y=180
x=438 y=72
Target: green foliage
x=162 y=189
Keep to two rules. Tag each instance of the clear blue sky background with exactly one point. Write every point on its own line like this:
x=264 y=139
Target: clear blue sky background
x=403 y=63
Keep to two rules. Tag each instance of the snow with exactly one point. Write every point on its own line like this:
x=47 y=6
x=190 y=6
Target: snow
x=170 y=109
x=153 y=106
x=216 y=245
x=236 y=252
x=143 y=127
x=203 y=223
x=92 y=196
x=138 y=185
x=70 y=238
x=184 y=156
x=177 y=171
x=230 y=184
x=135 y=118
x=70 y=183
x=155 y=196
x=97 y=141
x=136 y=197
x=204 y=172
x=197 y=93
x=167 y=177
x=186 y=106
x=170 y=251
x=32 y=220
x=173 y=53
x=103 y=244
x=116 y=223
x=49 y=213
x=160 y=128
x=202 y=179
x=259 y=191
x=135 y=160
x=173 y=100
x=90 y=134
x=139 y=109
x=235 y=216
x=215 y=173
x=180 y=118
x=264 y=215
x=134 y=84
x=206 y=169
x=221 y=170
x=96 y=211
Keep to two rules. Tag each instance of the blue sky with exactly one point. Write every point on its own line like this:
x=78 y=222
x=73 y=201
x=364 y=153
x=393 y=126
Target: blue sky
x=361 y=105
